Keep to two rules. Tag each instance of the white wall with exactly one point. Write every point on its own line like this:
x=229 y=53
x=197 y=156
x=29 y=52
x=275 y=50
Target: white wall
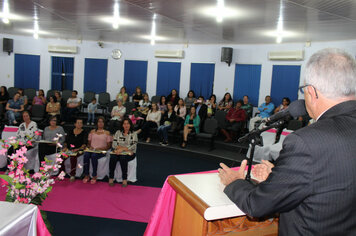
x=224 y=75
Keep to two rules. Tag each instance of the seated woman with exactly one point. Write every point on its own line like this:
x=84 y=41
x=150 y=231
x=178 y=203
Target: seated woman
x=283 y=106
x=23 y=98
x=144 y=105
x=191 y=125
x=122 y=95
x=152 y=121
x=40 y=99
x=117 y=115
x=124 y=147
x=14 y=107
x=180 y=111
x=76 y=140
x=162 y=105
x=226 y=103
x=190 y=99
x=167 y=119
x=4 y=97
x=53 y=108
x=211 y=103
x=49 y=133
x=173 y=97
x=137 y=96
x=233 y=121
x=99 y=140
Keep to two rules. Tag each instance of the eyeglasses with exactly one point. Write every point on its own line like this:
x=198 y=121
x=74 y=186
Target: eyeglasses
x=301 y=89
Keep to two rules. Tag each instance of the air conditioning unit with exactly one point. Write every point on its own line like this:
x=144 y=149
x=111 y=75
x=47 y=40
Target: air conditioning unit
x=62 y=49
x=169 y=53
x=286 y=55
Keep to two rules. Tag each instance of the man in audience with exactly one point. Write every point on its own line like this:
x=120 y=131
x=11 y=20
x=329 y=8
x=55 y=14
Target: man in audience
x=201 y=110
x=266 y=110
x=73 y=104
x=312 y=183
x=234 y=121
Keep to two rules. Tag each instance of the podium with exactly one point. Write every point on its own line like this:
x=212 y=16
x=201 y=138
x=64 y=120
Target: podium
x=202 y=208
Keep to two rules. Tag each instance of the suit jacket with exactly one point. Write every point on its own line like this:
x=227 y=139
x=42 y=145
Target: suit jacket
x=313 y=183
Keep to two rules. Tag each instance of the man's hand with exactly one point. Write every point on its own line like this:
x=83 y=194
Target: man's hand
x=262 y=171
x=227 y=175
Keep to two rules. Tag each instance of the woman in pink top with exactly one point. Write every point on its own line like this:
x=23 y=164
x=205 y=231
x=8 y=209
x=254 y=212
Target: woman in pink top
x=40 y=99
x=99 y=140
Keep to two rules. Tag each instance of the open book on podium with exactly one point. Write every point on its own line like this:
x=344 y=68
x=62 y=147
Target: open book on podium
x=202 y=208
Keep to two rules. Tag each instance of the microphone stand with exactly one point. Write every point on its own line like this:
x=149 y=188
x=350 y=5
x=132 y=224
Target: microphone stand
x=254 y=138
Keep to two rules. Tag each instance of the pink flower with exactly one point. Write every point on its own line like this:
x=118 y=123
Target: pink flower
x=7 y=145
x=38 y=133
x=133 y=109
x=61 y=175
x=20 y=143
x=60 y=159
x=3 y=151
x=65 y=155
x=37 y=175
x=29 y=143
x=72 y=146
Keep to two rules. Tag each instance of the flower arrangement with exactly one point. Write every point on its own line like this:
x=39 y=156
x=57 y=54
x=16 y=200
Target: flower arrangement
x=134 y=116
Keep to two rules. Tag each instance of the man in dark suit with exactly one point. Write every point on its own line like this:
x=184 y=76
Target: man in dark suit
x=202 y=110
x=312 y=184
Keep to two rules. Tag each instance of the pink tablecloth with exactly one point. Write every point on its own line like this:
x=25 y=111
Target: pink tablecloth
x=162 y=216
x=41 y=227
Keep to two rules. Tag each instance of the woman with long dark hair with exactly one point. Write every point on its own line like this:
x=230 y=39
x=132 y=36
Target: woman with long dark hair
x=124 y=148
x=226 y=103
x=173 y=97
x=191 y=125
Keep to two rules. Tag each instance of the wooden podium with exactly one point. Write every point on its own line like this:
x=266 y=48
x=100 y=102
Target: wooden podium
x=202 y=208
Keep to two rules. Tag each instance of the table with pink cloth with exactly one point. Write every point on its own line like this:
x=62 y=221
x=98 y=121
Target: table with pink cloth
x=162 y=216
x=21 y=219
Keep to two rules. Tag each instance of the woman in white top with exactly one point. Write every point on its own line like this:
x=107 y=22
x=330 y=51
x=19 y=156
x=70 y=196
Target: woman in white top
x=144 y=105
x=117 y=115
x=26 y=131
x=152 y=121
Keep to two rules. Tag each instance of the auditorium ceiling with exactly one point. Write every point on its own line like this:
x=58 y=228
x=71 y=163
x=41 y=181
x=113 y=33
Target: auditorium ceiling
x=182 y=21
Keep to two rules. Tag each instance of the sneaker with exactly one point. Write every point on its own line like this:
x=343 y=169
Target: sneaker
x=165 y=143
x=88 y=123
x=92 y=123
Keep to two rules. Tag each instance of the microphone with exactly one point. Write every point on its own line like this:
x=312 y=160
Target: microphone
x=295 y=109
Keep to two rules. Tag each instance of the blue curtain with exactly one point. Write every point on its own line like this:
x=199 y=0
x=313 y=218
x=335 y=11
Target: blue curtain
x=135 y=74
x=27 y=71
x=168 y=77
x=95 y=73
x=247 y=82
x=62 y=65
x=202 y=78
x=285 y=83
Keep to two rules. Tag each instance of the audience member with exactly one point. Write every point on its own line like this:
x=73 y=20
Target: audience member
x=26 y=130
x=211 y=104
x=144 y=105
x=124 y=147
x=265 y=109
x=117 y=115
x=226 y=103
x=283 y=106
x=247 y=106
x=40 y=99
x=234 y=120
x=201 y=110
x=168 y=118
x=191 y=125
x=73 y=104
x=152 y=121
x=122 y=95
x=173 y=97
x=53 y=108
x=14 y=107
x=49 y=133
x=23 y=98
x=180 y=111
x=92 y=108
x=190 y=100
x=137 y=96
x=4 y=97
x=162 y=105
x=99 y=141
x=76 y=140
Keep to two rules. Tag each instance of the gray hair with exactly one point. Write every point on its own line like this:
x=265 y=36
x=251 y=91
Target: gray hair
x=333 y=72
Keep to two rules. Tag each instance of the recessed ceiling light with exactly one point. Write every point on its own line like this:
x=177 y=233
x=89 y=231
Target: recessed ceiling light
x=283 y=34
x=220 y=12
x=157 y=38
x=122 y=21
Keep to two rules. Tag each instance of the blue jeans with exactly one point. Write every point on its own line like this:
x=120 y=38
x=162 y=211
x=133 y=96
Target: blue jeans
x=11 y=115
x=91 y=117
x=94 y=157
x=163 y=132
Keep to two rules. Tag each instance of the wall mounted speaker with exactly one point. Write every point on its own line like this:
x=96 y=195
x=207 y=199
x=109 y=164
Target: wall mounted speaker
x=7 y=45
x=226 y=55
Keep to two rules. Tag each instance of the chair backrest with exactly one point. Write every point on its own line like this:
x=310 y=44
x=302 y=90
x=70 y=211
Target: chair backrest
x=104 y=98
x=111 y=105
x=50 y=93
x=88 y=96
x=210 y=126
x=38 y=111
x=294 y=124
x=155 y=99
x=66 y=94
x=220 y=117
x=12 y=91
x=30 y=93
x=129 y=106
